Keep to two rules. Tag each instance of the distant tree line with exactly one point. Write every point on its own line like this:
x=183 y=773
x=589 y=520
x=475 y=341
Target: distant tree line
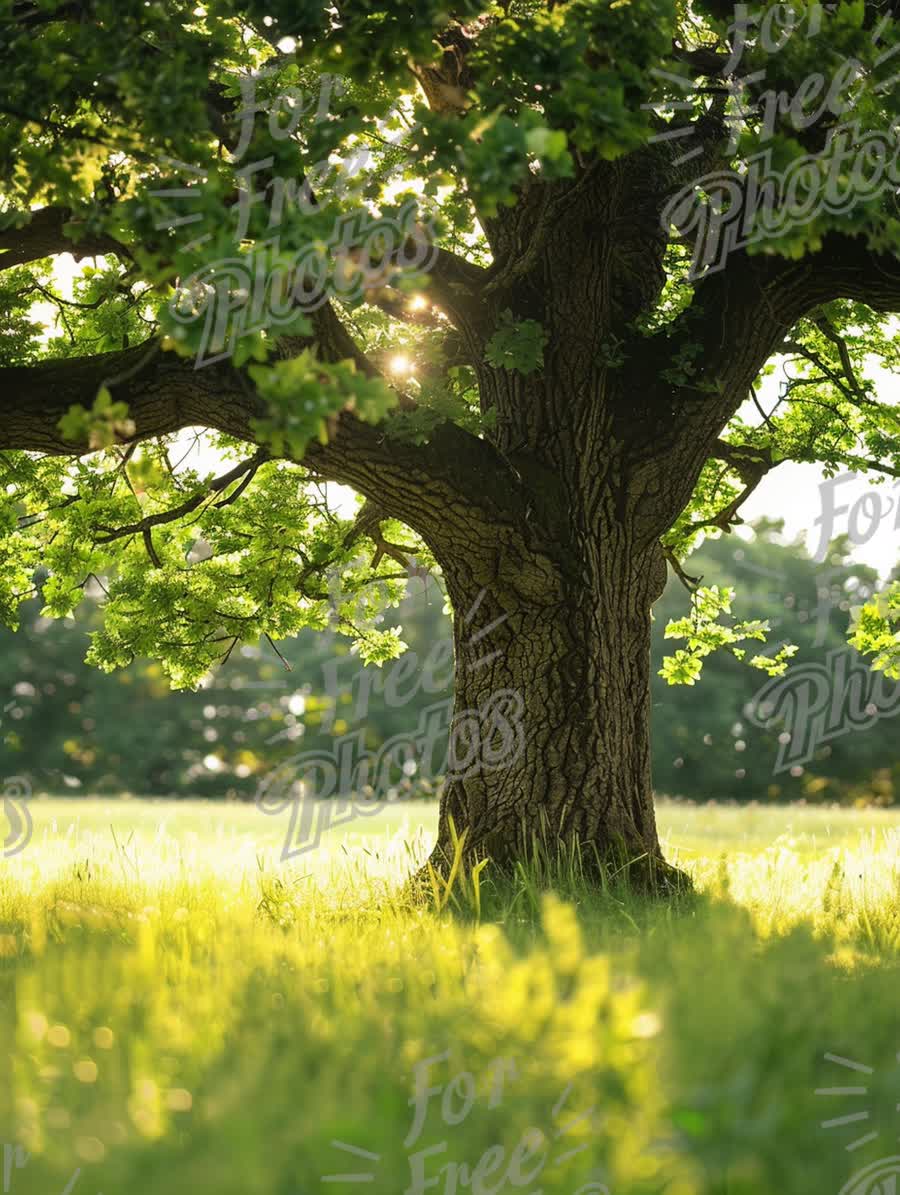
x=62 y=723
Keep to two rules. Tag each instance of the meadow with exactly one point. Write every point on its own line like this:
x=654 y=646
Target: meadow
x=182 y=1011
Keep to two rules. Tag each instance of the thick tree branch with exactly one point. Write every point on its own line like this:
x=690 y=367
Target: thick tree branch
x=746 y=459
x=456 y=286
x=456 y=488
x=742 y=314
x=703 y=60
x=45 y=235
x=30 y=16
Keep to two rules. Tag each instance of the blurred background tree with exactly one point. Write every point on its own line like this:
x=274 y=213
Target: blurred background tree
x=60 y=720
x=706 y=744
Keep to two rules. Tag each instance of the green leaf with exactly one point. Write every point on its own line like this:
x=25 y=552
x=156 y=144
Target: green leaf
x=516 y=345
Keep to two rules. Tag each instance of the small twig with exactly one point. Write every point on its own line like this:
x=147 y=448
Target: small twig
x=170 y=516
x=690 y=583
x=287 y=665
x=768 y=422
x=151 y=550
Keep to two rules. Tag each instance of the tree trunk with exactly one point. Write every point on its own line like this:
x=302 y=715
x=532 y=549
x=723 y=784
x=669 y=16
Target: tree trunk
x=551 y=736
x=550 y=741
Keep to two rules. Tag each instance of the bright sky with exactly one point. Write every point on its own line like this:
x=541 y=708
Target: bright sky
x=809 y=504
x=870 y=513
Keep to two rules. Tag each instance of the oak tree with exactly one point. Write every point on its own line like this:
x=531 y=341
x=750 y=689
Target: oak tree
x=513 y=272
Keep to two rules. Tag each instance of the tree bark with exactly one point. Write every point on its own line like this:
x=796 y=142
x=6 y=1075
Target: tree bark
x=550 y=738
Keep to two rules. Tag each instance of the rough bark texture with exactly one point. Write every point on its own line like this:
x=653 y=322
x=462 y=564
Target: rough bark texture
x=551 y=733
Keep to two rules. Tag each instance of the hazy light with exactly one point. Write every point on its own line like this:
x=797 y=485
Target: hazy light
x=417 y=302
x=400 y=363
x=287 y=45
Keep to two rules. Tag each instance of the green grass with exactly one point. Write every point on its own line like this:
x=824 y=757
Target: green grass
x=182 y=1012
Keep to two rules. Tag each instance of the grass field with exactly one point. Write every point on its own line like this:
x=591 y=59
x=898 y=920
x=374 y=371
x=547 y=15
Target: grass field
x=181 y=1011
